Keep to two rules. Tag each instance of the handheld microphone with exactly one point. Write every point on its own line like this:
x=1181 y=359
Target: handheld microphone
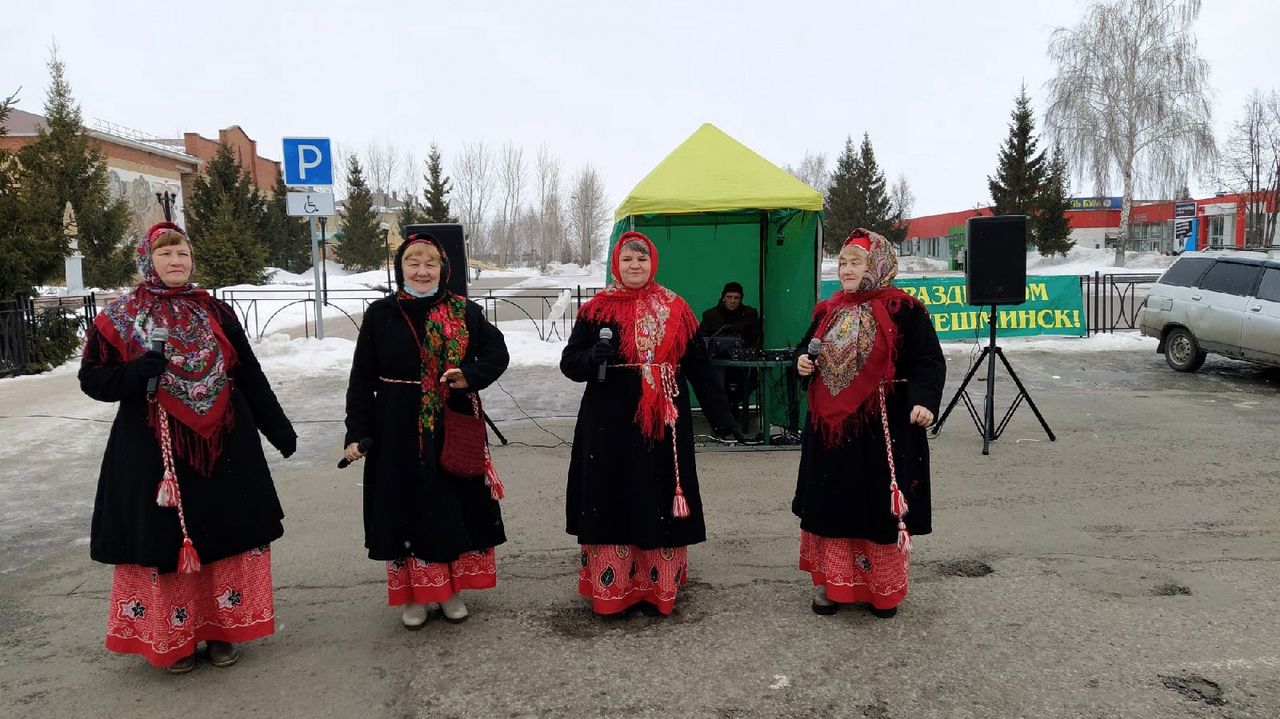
x=815 y=346
x=605 y=334
x=157 y=338
x=363 y=445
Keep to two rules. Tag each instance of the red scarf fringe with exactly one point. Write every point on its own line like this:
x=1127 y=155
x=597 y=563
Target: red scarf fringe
x=837 y=414
x=626 y=309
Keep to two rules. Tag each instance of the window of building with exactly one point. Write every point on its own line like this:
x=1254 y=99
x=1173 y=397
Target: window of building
x=1217 y=224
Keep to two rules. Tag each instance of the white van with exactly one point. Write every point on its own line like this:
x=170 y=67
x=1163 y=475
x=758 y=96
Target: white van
x=1225 y=302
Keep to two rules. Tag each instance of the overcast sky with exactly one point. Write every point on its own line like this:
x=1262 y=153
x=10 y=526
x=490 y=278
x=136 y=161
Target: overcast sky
x=617 y=85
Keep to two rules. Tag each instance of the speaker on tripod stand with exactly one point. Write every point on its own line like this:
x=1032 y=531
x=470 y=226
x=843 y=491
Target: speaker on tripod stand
x=995 y=273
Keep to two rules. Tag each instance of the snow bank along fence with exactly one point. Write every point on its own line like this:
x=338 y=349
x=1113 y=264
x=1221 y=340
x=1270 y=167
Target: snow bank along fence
x=24 y=322
x=550 y=312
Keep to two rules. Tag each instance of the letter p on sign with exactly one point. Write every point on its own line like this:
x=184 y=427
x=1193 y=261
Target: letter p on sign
x=307 y=161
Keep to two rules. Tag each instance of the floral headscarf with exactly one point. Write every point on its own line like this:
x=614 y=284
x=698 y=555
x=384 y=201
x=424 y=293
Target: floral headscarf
x=194 y=389
x=859 y=341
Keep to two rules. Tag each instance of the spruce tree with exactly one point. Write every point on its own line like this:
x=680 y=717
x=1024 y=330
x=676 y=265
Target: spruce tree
x=410 y=214
x=877 y=211
x=435 y=194
x=1050 y=227
x=843 y=203
x=361 y=249
x=65 y=165
x=32 y=251
x=224 y=199
x=287 y=239
x=1021 y=169
x=218 y=260
x=858 y=196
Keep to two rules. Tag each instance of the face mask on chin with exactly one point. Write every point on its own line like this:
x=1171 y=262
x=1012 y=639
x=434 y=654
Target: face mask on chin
x=430 y=290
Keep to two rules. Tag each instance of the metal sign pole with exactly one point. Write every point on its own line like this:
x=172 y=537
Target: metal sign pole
x=317 y=258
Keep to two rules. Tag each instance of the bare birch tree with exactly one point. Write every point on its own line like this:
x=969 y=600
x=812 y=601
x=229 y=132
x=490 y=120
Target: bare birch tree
x=511 y=175
x=902 y=202
x=1131 y=98
x=382 y=170
x=409 y=177
x=472 y=193
x=812 y=171
x=550 y=213
x=588 y=215
x=1251 y=165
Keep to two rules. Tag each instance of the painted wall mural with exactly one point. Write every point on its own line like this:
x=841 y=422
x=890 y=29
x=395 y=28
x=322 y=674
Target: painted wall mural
x=139 y=190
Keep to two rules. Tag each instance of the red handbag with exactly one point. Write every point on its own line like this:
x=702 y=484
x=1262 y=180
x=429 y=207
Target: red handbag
x=464 y=442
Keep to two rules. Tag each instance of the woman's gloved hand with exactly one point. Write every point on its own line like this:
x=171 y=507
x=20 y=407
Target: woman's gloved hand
x=151 y=364
x=600 y=352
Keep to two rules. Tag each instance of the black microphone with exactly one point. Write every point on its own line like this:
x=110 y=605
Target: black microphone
x=157 y=338
x=605 y=334
x=815 y=346
x=363 y=445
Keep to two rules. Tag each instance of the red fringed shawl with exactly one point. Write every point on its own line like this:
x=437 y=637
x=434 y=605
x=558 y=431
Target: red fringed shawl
x=655 y=325
x=195 y=388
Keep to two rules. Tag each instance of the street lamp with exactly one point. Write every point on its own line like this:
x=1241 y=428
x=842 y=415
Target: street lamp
x=385 y=229
x=166 y=199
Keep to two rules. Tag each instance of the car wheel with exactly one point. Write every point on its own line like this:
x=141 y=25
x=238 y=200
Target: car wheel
x=1181 y=350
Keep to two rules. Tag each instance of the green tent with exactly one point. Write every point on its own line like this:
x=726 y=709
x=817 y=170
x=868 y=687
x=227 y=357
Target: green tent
x=717 y=212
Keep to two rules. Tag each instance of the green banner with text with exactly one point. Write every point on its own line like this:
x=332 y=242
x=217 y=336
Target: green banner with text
x=1054 y=306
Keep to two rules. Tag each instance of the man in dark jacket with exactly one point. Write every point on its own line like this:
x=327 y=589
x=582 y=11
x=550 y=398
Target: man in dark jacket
x=731 y=318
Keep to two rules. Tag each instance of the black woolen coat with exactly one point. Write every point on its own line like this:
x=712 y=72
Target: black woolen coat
x=411 y=506
x=843 y=491
x=621 y=487
x=232 y=511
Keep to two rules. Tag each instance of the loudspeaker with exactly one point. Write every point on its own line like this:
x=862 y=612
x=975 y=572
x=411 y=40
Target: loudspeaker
x=455 y=249
x=995 y=267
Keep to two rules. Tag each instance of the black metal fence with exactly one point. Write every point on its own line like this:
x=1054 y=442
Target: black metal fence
x=550 y=311
x=1111 y=301
x=25 y=323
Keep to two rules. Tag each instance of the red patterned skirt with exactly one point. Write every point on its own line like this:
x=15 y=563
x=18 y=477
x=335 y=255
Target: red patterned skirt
x=855 y=570
x=411 y=580
x=616 y=576
x=163 y=616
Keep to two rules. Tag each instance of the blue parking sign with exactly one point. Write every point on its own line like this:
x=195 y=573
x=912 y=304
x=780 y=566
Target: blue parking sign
x=307 y=161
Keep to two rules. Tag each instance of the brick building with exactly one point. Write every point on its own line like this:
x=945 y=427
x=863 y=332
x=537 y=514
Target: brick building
x=1219 y=221
x=140 y=165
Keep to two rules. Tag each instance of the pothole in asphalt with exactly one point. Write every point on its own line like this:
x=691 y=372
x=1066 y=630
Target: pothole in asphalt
x=964 y=568
x=1196 y=688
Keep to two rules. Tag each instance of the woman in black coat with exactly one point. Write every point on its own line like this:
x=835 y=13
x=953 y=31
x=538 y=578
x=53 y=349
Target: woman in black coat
x=878 y=382
x=421 y=352
x=632 y=499
x=185 y=506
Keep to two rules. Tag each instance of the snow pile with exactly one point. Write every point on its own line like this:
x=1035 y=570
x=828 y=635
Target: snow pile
x=338 y=277
x=914 y=265
x=1087 y=260
x=281 y=355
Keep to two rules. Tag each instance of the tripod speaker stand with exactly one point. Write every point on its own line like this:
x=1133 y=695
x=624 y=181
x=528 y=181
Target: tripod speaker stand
x=986 y=423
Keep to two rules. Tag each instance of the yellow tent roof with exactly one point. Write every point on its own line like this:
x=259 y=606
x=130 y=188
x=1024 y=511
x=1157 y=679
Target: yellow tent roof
x=712 y=172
